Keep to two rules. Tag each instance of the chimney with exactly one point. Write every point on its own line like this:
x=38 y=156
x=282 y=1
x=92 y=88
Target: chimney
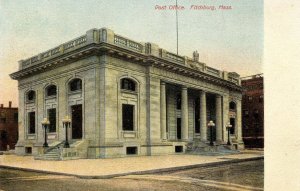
x=9 y=104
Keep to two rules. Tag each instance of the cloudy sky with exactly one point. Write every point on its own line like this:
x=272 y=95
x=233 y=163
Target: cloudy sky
x=230 y=40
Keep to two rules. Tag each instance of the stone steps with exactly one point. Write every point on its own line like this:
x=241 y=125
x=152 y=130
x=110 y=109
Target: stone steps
x=57 y=152
x=54 y=154
x=201 y=148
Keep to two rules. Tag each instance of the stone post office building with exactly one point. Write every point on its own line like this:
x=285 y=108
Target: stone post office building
x=124 y=97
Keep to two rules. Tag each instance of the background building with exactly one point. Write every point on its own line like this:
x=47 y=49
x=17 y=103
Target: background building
x=253 y=111
x=124 y=98
x=8 y=127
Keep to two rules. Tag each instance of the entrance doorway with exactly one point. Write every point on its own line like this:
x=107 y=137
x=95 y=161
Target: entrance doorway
x=178 y=128
x=76 y=121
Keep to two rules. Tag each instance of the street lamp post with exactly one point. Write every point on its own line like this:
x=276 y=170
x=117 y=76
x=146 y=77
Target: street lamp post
x=228 y=126
x=45 y=124
x=66 y=124
x=211 y=125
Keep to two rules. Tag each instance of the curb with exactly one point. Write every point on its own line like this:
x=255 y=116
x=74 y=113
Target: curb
x=170 y=169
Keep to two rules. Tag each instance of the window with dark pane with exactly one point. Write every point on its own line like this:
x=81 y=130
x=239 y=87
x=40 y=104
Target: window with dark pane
x=256 y=114
x=197 y=115
x=16 y=117
x=76 y=85
x=232 y=106
x=52 y=119
x=2 y=117
x=3 y=135
x=178 y=101
x=127 y=114
x=131 y=150
x=261 y=98
x=31 y=122
x=51 y=90
x=127 y=84
x=31 y=96
x=232 y=129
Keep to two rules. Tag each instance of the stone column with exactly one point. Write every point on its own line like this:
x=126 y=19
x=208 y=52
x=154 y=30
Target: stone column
x=163 y=111
x=238 y=125
x=184 y=113
x=218 y=118
x=203 y=123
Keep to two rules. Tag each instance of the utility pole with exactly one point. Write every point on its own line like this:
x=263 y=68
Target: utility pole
x=177 y=26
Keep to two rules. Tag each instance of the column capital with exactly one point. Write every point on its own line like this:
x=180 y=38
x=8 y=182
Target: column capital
x=218 y=96
x=184 y=87
x=203 y=91
x=162 y=83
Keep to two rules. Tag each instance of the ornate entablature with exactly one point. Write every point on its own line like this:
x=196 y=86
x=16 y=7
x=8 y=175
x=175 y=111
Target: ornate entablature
x=106 y=41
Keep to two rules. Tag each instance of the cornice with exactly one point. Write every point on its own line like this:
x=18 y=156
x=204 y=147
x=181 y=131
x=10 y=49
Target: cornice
x=147 y=55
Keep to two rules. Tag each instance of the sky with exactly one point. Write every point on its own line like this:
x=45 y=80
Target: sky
x=226 y=39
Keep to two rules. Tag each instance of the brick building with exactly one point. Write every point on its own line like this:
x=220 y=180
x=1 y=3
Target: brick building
x=8 y=127
x=253 y=111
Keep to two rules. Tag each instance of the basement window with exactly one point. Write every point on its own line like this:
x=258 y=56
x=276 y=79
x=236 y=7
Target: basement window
x=28 y=150
x=131 y=150
x=178 y=149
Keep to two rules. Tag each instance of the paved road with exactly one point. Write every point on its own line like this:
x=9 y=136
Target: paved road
x=241 y=176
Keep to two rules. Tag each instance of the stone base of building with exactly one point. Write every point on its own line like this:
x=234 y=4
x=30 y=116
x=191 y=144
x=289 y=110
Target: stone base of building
x=82 y=149
x=127 y=150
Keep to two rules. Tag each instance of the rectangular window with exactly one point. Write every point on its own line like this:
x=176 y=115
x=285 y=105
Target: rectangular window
x=197 y=115
x=261 y=98
x=2 y=120
x=127 y=114
x=131 y=150
x=178 y=102
x=178 y=128
x=16 y=117
x=250 y=98
x=52 y=119
x=232 y=129
x=31 y=122
x=28 y=150
x=178 y=149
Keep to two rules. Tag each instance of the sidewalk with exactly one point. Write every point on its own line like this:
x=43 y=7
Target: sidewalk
x=107 y=168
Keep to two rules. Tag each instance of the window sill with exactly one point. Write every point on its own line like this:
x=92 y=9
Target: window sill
x=75 y=92
x=52 y=136
x=50 y=97
x=31 y=136
x=128 y=91
x=129 y=134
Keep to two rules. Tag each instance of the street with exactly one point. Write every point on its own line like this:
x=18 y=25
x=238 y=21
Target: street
x=239 y=176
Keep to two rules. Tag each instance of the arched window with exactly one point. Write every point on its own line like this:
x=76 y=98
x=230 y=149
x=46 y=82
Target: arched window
x=31 y=95
x=51 y=90
x=232 y=106
x=76 y=85
x=127 y=84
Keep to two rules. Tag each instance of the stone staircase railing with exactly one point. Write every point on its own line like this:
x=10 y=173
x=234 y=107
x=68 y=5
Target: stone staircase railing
x=201 y=148
x=77 y=150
